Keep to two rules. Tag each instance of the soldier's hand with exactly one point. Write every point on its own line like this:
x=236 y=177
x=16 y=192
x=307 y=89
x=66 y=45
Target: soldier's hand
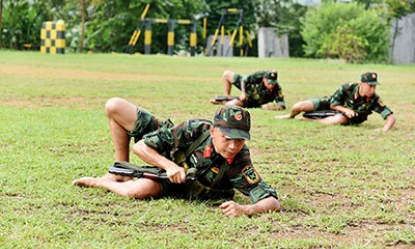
x=351 y=114
x=176 y=174
x=232 y=209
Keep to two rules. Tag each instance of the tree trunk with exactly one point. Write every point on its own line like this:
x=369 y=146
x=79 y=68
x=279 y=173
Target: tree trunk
x=81 y=43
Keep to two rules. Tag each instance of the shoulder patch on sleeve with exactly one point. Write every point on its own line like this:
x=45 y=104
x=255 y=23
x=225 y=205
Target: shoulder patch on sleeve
x=250 y=174
x=380 y=103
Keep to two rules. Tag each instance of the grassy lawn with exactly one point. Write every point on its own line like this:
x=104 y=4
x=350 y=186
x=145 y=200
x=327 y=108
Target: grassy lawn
x=339 y=187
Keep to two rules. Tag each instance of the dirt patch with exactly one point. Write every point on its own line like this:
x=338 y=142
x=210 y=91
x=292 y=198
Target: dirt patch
x=39 y=72
x=78 y=102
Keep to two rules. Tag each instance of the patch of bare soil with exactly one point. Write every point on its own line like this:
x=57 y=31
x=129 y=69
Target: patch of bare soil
x=78 y=102
x=40 y=72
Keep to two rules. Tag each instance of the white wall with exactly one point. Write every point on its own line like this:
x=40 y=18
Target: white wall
x=403 y=51
x=270 y=45
x=219 y=48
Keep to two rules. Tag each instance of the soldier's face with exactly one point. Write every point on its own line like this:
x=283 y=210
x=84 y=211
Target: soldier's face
x=227 y=148
x=367 y=89
x=268 y=85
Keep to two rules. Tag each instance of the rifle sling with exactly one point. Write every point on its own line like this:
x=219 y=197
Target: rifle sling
x=192 y=147
x=220 y=174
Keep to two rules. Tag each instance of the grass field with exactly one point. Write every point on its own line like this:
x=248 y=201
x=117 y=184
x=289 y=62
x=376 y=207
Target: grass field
x=339 y=187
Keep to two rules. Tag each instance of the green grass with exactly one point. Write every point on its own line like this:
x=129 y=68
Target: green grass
x=339 y=187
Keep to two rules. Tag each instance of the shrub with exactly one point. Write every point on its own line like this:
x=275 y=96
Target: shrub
x=344 y=44
x=346 y=31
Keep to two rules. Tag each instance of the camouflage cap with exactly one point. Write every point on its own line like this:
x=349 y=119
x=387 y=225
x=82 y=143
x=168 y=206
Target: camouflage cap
x=272 y=76
x=233 y=121
x=370 y=78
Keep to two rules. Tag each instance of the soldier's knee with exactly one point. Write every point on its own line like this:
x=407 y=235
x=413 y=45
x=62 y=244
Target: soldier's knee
x=134 y=193
x=303 y=106
x=336 y=120
x=111 y=105
x=228 y=75
x=144 y=189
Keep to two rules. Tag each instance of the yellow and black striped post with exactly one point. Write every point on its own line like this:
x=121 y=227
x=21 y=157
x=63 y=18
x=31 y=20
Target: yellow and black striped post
x=52 y=37
x=147 y=37
x=239 y=27
x=193 y=39
x=220 y=27
x=170 y=37
x=170 y=34
x=137 y=31
x=248 y=38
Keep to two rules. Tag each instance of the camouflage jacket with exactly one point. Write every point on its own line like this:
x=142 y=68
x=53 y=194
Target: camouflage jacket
x=240 y=173
x=257 y=94
x=347 y=95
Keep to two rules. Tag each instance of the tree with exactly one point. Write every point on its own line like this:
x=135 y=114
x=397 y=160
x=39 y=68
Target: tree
x=1 y=21
x=15 y=15
x=83 y=16
x=356 y=24
x=110 y=24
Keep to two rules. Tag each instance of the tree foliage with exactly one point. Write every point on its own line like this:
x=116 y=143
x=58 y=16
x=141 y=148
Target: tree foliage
x=346 y=31
x=22 y=20
x=343 y=43
x=1 y=22
x=107 y=25
x=391 y=8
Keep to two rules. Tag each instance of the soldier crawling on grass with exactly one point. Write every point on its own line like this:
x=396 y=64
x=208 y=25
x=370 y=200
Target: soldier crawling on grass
x=352 y=103
x=257 y=90
x=217 y=152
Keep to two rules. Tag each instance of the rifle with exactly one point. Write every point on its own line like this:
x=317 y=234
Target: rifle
x=190 y=175
x=226 y=98
x=320 y=114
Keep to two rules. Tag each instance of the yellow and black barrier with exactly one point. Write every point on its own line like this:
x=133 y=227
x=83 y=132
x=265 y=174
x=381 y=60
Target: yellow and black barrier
x=137 y=31
x=170 y=34
x=52 y=37
x=221 y=29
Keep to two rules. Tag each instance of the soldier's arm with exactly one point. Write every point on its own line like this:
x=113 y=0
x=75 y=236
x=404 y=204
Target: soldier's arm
x=233 y=209
x=242 y=97
x=386 y=113
x=272 y=107
x=279 y=100
x=346 y=111
x=390 y=121
x=149 y=155
x=153 y=148
x=338 y=98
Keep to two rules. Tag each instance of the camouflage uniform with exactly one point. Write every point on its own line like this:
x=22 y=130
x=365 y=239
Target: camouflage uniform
x=256 y=93
x=239 y=174
x=347 y=96
x=144 y=124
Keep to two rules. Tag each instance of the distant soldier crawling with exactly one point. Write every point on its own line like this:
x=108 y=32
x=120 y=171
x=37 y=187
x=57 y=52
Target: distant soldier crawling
x=352 y=103
x=222 y=159
x=258 y=89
